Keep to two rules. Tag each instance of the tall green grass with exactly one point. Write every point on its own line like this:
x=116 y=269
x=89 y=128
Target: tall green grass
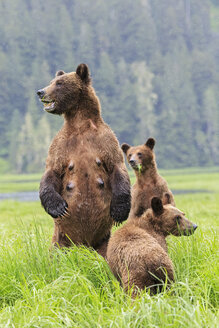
x=75 y=288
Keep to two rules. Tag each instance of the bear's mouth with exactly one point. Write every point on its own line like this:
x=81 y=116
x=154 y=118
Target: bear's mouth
x=134 y=165
x=49 y=106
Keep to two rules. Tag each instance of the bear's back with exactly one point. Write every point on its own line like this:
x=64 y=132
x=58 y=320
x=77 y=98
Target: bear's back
x=131 y=247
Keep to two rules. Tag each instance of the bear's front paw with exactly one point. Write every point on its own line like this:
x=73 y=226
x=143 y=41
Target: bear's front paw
x=58 y=208
x=120 y=207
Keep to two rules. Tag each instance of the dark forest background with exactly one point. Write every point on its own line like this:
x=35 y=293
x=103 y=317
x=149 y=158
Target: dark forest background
x=154 y=64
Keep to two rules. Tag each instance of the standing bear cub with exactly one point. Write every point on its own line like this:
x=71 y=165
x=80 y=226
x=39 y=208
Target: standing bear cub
x=137 y=252
x=86 y=185
x=149 y=183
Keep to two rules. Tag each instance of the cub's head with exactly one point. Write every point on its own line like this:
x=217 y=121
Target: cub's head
x=64 y=92
x=140 y=157
x=169 y=219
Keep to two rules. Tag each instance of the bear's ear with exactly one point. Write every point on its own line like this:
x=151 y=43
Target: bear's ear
x=150 y=143
x=166 y=199
x=157 y=206
x=60 y=73
x=83 y=71
x=125 y=147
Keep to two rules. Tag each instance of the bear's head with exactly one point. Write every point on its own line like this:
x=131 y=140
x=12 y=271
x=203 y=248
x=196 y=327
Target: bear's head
x=140 y=157
x=169 y=219
x=67 y=91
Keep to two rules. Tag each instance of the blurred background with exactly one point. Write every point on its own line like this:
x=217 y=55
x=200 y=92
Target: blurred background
x=154 y=65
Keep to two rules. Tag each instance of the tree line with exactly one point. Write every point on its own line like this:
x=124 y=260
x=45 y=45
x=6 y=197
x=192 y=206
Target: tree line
x=154 y=64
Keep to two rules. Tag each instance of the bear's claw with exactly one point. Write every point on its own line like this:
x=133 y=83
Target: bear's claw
x=65 y=214
x=58 y=209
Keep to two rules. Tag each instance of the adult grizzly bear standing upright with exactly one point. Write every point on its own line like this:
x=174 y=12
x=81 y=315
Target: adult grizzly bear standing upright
x=86 y=185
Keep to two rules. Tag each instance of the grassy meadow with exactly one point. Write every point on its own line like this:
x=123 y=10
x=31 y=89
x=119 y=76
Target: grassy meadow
x=39 y=288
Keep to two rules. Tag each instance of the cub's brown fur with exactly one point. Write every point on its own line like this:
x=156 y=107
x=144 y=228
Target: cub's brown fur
x=137 y=252
x=86 y=185
x=149 y=183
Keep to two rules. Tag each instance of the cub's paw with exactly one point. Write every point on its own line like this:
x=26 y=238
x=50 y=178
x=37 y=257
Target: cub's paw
x=59 y=208
x=120 y=207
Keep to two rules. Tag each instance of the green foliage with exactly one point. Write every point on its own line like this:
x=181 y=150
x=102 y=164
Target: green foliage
x=40 y=288
x=215 y=16
x=154 y=66
x=3 y=166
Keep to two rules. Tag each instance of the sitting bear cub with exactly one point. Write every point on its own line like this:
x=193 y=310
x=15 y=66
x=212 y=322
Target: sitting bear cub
x=149 y=183
x=86 y=185
x=137 y=252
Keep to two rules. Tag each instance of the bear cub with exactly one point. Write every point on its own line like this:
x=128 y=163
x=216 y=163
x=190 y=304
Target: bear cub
x=137 y=252
x=149 y=183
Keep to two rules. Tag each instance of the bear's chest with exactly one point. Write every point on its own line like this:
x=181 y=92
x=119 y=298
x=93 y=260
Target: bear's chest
x=86 y=185
x=78 y=142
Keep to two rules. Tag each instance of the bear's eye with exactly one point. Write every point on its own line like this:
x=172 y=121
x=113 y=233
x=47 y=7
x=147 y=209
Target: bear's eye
x=58 y=83
x=178 y=218
x=139 y=154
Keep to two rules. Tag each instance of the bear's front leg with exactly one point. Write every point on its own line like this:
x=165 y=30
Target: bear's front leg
x=51 y=200
x=121 y=194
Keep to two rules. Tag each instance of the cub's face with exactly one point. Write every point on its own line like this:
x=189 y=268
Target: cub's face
x=63 y=92
x=140 y=157
x=171 y=220
x=175 y=222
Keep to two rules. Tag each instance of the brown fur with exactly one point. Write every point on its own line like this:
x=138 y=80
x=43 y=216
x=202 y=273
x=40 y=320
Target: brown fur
x=137 y=252
x=86 y=184
x=149 y=183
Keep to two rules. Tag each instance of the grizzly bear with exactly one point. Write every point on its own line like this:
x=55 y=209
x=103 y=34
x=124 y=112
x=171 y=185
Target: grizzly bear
x=85 y=187
x=137 y=252
x=149 y=183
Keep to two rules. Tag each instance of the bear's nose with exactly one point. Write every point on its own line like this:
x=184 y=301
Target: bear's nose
x=132 y=162
x=41 y=93
x=194 y=226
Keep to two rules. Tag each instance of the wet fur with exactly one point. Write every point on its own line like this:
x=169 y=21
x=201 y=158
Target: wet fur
x=137 y=252
x=86 y=185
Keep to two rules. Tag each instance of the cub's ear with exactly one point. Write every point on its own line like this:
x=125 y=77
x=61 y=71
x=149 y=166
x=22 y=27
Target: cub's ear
x=157 y=206
x=166 y=199
x=150 y=143
x=60 y=73
x=83 y=71
x=125 y=147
